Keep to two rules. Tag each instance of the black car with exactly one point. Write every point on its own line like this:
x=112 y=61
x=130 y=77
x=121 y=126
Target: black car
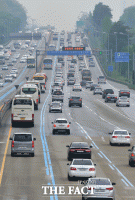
x=132 y=156
x=73 y=61
x=111 y=98
x=70 y=74
x=75 y=100
x=124 y=93
x=83 y=83
x=107 y=91
x=93 y=86
x=79 y=150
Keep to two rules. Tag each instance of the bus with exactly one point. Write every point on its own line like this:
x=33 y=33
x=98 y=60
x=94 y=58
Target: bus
x=42 y=80
x=47 y=62
x=22 y=110
x=30 y=62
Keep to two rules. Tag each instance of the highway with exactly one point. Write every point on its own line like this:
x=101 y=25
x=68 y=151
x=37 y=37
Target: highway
x=22 y=178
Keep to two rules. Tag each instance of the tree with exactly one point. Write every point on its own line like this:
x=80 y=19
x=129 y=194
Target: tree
x=128 y=17
x=100 y=12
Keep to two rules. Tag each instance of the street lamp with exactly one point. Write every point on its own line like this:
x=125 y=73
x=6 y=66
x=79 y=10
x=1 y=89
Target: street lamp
x=115 y=33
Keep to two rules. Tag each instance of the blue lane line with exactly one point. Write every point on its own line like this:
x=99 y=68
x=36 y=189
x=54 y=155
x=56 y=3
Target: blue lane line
x=105 y=157
x=124 y=182
x=47 y=159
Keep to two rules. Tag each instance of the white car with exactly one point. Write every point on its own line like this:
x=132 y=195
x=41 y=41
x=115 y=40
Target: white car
x=77 y=87
x=61 y=125
x=81 y=168
x=120 y=137
x=23 y=60
x=5 y=67
x=14 y=70
x=13 y=74
x=123 y=101
x=8 y=78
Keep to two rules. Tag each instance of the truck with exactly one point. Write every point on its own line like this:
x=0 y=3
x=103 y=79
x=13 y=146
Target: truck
x=101 y=79
x=86 y=75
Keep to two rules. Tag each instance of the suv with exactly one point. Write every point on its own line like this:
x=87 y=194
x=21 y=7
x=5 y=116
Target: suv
x=61 y=125
x=107 y=91
x=124 y=93
x=75 y=100
x=22 y=143
x=101 y=79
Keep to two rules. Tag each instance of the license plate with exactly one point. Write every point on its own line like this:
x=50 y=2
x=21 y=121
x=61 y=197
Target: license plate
x=22 y=118
x=79 y=151
x=99 y=190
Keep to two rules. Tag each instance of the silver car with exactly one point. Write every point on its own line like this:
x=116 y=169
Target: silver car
x=83 y=168
x=8 y=78
x=61 y=125
x=1 y=84
x=22 y=144
x=88 y=83
x=123 y=101
x=101 y=188
x=55 y=106
x=97 y=90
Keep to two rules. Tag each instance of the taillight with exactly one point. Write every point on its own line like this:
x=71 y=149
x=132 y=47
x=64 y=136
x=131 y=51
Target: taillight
x=111 y=188
x=91 y=169
x=113 y=92
x=89 y=188
x=32 y=116
x=71 y=99
x=72 y=168
x=115 y=97
x=36 y=101
x=12 y=115
x=12 y=143
x=108 y=97
x=114 y=136
x=68 y=126
x=54 y=125
x=127 y=136
x=80 y=100
x=88 y=150
x=32 y=144
x=44 y=86
x=72 y=150
x=132 y=154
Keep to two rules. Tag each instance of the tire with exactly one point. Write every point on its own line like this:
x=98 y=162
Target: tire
x=49 y=111
x=68 y=132
x=69 y=178
x=36 y=107
x=111 y=144
x=83 y=198
x=39 y=100
x=12 y=154
x=61 y=111
x=32 y=154
x=13 y=124
x=117 y=105
x=131 y=164
x=32 y=124
x=69 y=159
x=69 y=105
x=53 y=132
x=81 y=105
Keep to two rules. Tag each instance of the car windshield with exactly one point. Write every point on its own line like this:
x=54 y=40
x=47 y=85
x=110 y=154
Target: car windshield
x=82 y=162
x=99 y=182
x=55 y=104
x=79 y=145
x=120 y=133
x=57 y=93
x=61 y=121
x=23 y=137
x=29 y=90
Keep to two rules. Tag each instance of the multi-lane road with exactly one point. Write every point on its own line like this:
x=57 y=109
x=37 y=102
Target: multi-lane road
x=23 y=177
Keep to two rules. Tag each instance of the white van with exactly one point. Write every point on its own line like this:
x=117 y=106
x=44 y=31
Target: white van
x=30 y=89
x=22 y=110
x=38 y=85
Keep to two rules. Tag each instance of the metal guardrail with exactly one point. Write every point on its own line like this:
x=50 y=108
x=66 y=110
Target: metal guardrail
x=4 y=108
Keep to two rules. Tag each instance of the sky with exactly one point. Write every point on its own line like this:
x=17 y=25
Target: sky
x=63 y=14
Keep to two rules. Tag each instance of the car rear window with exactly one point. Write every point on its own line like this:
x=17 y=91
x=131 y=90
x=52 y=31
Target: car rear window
x=99 y=182
x=57 y=93
x=75 y=97
x=23 y=137
x=120 y=133
x=61 y=121
x=79 y=145
x=82 y=162
x=109 y=91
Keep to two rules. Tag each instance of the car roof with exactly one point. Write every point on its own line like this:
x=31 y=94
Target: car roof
x=22 y=133
x=61 y=119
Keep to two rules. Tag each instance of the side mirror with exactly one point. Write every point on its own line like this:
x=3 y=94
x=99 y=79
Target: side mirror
x=94 y=164
x=10 y=138
x=129 y=149
x=52 y=122
x=113 y=183
x=69 y=122
x=129 y=133
x=110 y=133
x=91 y=146
x=68 y=164
x=34 y=139
x=67 y=145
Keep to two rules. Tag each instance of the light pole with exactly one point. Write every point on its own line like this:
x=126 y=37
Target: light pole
x=128 y=49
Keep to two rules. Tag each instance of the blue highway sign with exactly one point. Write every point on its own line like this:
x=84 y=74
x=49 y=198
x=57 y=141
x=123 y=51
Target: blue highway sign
x=110 y=68
x=121 y=57
x=66 y=53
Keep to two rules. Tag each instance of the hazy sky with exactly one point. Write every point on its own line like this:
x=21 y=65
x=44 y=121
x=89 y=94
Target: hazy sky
x=63 y=14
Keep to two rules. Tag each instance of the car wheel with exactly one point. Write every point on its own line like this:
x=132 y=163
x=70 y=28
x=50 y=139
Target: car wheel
x=81 y=105
x=49 y=111
x=12 y=154
x=111 y=144
x=32 y=125
x=83 y=198
x=39 y=100
x=13 y=124
x=117 y=105
x=69 y=178
x=69 y=159
x=128 y=145
x=68 y=132
x=32 y=154
x=61 y=111
x=131 y=164
x=53 y=132
x=69 y=105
